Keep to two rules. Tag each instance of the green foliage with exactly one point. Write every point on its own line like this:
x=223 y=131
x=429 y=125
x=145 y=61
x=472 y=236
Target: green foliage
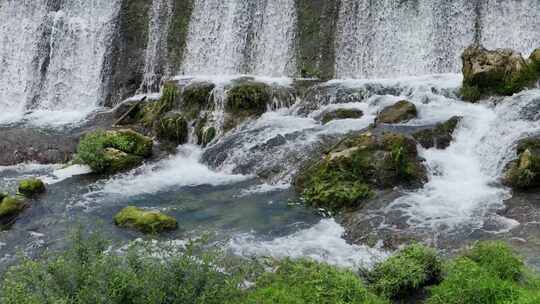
x=497 y=258
x=144 y=221
x=408 y=270
x=172 y=127
x=307 y=282
x=86 y=273
x=153 y=111
x=91 y=150
x=31 y=186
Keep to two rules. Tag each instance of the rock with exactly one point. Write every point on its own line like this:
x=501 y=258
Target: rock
x=144 y=221
x=440 y=136
x=402 y=111
x=341 y=114
x=196 y=97
x=535 y=56
x=172 y=127
x=153 y=111
x=31 y=187
x=10 y=208
x=500 y=72
x=346 y=175
x=524 y=173
x=208 y=136
x=113 y=151
x=246 y=100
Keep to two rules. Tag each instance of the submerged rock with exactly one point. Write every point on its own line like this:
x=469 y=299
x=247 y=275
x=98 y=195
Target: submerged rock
x=341 y=114
x=440 y=136
x=350 y=171
x=500 y=72
x=144 y=221
x=113 y=151
x=402 y=111
x=524 y=173
x=31 y=187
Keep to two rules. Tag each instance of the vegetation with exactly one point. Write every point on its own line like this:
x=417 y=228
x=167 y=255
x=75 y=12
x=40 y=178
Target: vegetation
x=523 y=173
x=248 y=98
x=172 y=127
x=144 y=221
x=406 y=272
x=341 y=114
x=153 y=111
x=31 y=187
x=10 y=206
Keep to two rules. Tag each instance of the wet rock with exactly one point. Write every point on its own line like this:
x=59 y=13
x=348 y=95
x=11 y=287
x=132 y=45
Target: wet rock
x=10 y=208
x=535 y=56
x=144 y=221
x=341 y=114
x=196 y=97
x=348 y=173
x=497 y=72
x=245 y=100
x=113 y=151
x=172 y=127
x=31 y=187
x=439 y=136
x=402 y=111
x=524 y=173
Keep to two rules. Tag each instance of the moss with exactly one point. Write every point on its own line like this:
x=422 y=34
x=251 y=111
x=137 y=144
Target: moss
x=403 y=274
x=2 y=195
x=167 y=101
x=402 y=111
x=306 y=282
x=172 y=127
x=439 y=136
x=341 y=114
x=109 y=151
x=31 y=187
x=524 y=172
x=11 y=206
x=144 y=221
x=196 y=98
x=208 y=135
x=248 y=99
x=470 y=93
x=178 y=33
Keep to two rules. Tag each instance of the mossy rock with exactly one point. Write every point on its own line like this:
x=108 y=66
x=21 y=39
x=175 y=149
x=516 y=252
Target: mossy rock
x=207 y=136
x=10 y=208
x=113 y=151
x=498 y=72
x=144 y=221
x=31 y=187
x=172 y=127
x=341 y=114
x=169 y=99
x=251 y=98
x=350 y=171
x=196 y=97
x=403 y=274
x=535 y=56
x=402 y=111
x=524 y=173
x=440 y=136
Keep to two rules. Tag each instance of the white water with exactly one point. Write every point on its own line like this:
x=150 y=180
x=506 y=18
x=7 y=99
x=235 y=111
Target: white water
x=239 y=37
x=389 y=38
x=52 y=60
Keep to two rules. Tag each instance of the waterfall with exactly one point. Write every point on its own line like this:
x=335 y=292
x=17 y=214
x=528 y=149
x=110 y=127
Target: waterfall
x=390 y=38
x=241 y=36
x=54 y=62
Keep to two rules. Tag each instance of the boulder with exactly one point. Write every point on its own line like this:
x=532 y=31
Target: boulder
x=350 y=171
x=144 y=221
x=172 y=127
x=196 y=97
x=31 y=187
x=120 y=161
x=129 y=141
x=500 y=72
x=341 y=114
x=246 y=100
x=439 y=136
x=524 y=173
x=402 y=111
x=535 y=57
x=10 y=208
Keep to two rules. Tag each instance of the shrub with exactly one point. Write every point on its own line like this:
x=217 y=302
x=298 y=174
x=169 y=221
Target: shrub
x=303 y=281
x=408 y=270
x=497 y=258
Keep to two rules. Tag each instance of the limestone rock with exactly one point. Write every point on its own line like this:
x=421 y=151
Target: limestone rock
x=440 y=136
x=341 y=114
x=402 y=111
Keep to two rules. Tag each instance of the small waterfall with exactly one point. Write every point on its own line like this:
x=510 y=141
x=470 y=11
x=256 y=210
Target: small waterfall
x=156 y=47
x=240 y=36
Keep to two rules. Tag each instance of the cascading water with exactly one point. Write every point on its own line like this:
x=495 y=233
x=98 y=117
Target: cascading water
x=241 y=37
x=54 y=63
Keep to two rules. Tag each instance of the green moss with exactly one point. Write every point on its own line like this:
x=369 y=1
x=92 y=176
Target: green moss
x=208 y=135
x=248 y=99
x=524 y=172
x=31 y=187
x=307 y=282
x=109 y=151
x=172 y=127
x=439 y=136
x=402 y=111
x=153 y=111
x=403 y=274
x=144 y=221
x=177 y=33
x=341 y=114
x=2 y=195
x=11 y=205
x=196 y=98
x=470 y=93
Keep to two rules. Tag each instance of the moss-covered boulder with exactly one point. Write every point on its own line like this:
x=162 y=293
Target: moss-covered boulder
x=152 y=112
x=172 y=127
x=31 y=187
x=403 y=274
x=440 y=136
x=341 y=114
x=113 y=151
x=10 y=207
x=353 y=169
x=535 y=56
x=244 y=100
x=497 y=72
x=524 y=173
x=402 y=111
x=144 y=221
x=196 y=97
